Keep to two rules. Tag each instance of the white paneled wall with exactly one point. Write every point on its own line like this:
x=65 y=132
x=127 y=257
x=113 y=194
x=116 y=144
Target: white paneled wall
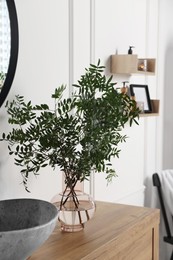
x=43 y=65
x=58 y=39
x=81 y=37
x=119 y=24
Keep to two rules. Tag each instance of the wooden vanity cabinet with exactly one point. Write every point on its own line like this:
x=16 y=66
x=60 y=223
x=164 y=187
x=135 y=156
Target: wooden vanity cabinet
x=116 y=232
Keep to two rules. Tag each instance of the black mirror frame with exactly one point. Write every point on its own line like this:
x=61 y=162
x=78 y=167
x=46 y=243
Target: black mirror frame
x=13 y=52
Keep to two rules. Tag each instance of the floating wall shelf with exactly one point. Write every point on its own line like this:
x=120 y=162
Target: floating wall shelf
x=155 y=109
x=129 y=64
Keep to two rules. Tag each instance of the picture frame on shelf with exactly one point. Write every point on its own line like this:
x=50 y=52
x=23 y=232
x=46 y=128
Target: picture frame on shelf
x=141 y=94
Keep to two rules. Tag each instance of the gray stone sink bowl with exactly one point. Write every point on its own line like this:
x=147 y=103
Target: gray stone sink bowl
x=25 y=224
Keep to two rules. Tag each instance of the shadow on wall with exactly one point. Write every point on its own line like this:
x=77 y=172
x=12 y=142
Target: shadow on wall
x=168 y=109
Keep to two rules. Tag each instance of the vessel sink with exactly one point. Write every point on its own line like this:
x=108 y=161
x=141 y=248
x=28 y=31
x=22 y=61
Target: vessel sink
x=25 y=224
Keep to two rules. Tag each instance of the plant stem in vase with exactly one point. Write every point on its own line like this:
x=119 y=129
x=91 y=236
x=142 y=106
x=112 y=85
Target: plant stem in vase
x=75 y=209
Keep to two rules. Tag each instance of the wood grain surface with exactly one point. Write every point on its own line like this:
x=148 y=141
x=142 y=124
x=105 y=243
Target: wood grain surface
x=116 y=232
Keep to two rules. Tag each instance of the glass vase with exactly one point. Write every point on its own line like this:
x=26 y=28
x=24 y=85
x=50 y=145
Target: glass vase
x=75 y=209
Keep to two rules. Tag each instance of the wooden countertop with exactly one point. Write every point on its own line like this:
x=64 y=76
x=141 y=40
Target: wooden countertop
x=113 y=225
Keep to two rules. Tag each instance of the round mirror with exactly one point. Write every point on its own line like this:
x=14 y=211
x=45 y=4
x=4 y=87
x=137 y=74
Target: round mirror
x=8 y=46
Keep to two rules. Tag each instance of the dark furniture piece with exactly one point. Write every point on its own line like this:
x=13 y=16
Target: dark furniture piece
x=168 y=238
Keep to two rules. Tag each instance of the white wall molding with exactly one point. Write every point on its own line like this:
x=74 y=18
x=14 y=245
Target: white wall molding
x=92 y=61
x=74 y=34
x=134 y=197
x=71 y=46
x=92 y=31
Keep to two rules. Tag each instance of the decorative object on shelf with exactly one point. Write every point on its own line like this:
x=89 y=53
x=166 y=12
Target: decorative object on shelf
x=142 y=65
x=146 y=65
x=140 y=105
x=124 y=89
x=142 y=95
x=81 y=134
x=130 y=51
